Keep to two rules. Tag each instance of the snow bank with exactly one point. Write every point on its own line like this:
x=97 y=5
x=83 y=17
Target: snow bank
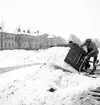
x=42 y=84
x=9 y=58
x=55 y=56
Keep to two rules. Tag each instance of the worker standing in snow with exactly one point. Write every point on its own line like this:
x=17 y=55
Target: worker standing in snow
x=92 y=51
x=72 y=44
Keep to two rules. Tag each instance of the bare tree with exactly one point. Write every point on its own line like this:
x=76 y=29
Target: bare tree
x=75 y=39
x=97 y=42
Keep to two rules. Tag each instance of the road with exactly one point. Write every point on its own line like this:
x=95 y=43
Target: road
x=7 y=69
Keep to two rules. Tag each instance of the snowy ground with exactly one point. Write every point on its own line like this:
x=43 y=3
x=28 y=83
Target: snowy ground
x=32 y=80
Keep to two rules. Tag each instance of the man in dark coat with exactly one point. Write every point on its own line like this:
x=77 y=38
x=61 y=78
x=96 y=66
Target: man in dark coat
x=72 y=44
x=92 y=51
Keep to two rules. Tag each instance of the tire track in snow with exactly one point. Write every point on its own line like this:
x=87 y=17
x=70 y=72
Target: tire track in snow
x=7 y=69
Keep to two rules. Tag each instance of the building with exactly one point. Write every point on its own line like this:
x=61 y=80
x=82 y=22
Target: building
x=29 y=42
x=22 y=41
x=7 y=41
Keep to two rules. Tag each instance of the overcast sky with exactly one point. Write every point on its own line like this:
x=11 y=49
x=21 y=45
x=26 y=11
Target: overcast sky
x=58 y=17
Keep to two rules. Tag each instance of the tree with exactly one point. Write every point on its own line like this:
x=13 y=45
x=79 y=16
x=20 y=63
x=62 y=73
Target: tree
x=97 y=42
x=75 y=39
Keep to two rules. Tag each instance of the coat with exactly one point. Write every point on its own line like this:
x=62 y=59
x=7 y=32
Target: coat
x=92 y=49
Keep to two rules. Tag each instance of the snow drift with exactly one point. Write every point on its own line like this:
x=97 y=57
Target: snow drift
x=40 y=83
x=53 y=56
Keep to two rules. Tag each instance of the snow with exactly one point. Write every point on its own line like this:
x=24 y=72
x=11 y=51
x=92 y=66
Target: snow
x=33 y=80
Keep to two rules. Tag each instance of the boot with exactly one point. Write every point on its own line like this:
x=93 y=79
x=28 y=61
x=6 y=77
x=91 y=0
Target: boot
x=92 y=72
x=87 y=65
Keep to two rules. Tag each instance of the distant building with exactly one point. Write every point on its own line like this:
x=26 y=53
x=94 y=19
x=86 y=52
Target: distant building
x=24 y=41
x=7 y=40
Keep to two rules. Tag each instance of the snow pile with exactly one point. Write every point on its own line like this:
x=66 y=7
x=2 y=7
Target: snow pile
x=53 y=56
x=42 y=84
x=10 y=58
x=17 y=57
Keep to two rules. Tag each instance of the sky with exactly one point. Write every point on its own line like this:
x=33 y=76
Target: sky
x=57 y=17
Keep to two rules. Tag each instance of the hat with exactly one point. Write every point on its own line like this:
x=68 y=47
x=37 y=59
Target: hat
x=88 y=40
x=70 y=41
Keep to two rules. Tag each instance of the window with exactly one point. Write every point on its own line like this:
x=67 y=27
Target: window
x=12 y=44
x=5 y=44
x=9 y=44
x=13 y=37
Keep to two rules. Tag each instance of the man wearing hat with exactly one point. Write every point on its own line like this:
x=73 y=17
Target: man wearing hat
x=92 y=51
x=72 y=44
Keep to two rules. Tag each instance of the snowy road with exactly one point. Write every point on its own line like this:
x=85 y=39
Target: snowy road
x=7 y=69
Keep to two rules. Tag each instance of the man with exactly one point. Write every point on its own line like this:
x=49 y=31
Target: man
x=92 y=51
x=72 y=44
